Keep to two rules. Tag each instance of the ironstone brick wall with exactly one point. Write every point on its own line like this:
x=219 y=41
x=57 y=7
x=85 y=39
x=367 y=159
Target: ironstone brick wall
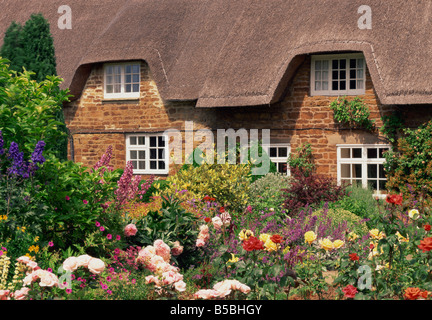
x=96 y=123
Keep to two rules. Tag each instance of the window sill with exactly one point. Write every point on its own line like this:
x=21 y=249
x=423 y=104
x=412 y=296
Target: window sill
x=120 y=100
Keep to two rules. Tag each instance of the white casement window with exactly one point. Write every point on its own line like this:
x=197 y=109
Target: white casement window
x=278 y=154
x=122 y=80
x=338 y=75
x=148 y=153
x=362 y=165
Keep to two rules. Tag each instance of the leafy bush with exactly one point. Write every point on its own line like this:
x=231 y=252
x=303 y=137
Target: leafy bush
x=310 y=190
x=228 y=183
x=354 y=113
x=302 y=160
x=340 y=217
x=266 y=192
x=409 y=166
x=359 y=201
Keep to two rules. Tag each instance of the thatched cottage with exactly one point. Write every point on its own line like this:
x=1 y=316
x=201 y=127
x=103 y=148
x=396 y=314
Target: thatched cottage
x=139 y=67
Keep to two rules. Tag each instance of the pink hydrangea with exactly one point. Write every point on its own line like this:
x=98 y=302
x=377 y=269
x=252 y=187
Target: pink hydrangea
x=163 y=250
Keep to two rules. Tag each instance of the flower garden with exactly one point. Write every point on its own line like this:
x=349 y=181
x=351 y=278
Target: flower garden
x=207 y=232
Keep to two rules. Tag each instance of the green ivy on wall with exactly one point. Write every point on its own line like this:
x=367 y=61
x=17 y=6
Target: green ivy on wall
x=354 y=113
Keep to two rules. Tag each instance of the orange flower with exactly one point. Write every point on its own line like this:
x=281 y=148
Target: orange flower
x=426 y=244
x=276 y=238
x=395 y=199
x=415 y=293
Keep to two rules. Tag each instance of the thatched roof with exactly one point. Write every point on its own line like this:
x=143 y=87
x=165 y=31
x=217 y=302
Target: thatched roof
x=239 y=52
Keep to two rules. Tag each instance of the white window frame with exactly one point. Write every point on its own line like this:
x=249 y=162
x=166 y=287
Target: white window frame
x=122 y=94
x=146 y=148
x=329 y=91
x=364 y=161
x=277 y=160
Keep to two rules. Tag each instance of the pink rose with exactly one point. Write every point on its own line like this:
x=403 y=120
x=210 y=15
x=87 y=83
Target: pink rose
x=180 y=286
x=48 y=279
x=83 y=260
x=177 y=249
x=130 y=230
x=206 y=294
x=200 y=243
x=96 y=266
x=21 y=294
x=162 y=249
x=217 y=223
x=70 y=264
x=145 y=254
x=4 y=294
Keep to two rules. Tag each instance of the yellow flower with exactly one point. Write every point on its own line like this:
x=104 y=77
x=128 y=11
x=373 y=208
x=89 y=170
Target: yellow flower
x=245 y=234
x=286 y=249
x=264 y=237
x=414 y=214
x=352 y=236
x=233 y=259
x=338 y=244
x=401 y=238
x=271 y=246
x=36 y=239
x=310 y=237
x=376 y=234
x=326 y=244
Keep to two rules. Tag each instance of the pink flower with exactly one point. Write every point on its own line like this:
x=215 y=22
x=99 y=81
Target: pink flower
x=102 y=229
x=51 y=244
x=71 y=264
x=130 y=230
x=68 y=291
x=118 y=237
x=177 y=249
x=67 y=198
x=85 y=201
x=21 y=294
x=109 y=236
x=180 y=286
x=4 y=294
x=206 y=294
x=97 y=224
x=162 y=249
x=217 y=223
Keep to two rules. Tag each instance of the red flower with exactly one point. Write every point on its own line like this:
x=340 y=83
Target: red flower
x=222 y=210
x=207 y=219
x=276 y=238
x=427 y=227
x=426 y=244
x=207 y=198
x=253 y=243
x=415 y=293
x=350 y=291
x=354 y=257
x=394 y=199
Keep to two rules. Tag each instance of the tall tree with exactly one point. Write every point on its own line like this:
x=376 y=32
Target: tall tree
x=12 y=48
x=32 y=47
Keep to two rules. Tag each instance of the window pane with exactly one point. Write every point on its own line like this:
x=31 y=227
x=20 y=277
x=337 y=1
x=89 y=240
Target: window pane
x=273 y=152
x=382 y=185
x=317 y=75
x=128 y=78
x=324 y=85
x=153 y=142
x=335 y=85
x=136 y=68
x=161 y=153
x=353 y=63
x=317 y=85
x=128 y=88
x=141 y=140
x=360 y=84
x=343 y=85
x=345 y=171
x=342 y=74
x=134 y=164
x=128 y=69
x=382 y=173
x=373 y=184
x=353 y=74
x=153 y=165
x=357 y=153
x=357 y=171
x=360 y=63
x=142 y=165
x=133 y=140
x=335 y=75
x=133 y=155
x=382 y=151
x=161 y=141
x=161 y=165
x=318 y=65
x=141 y=155
x=372 y=153
x=153 y=153
x=282 y=167
x=135 y=88
x=335 y=64
x=135 y=78
x=372 y=171
x=353 y=84
x=342 y=64
x=283 y=152
x=109 y=88
x=345 y=153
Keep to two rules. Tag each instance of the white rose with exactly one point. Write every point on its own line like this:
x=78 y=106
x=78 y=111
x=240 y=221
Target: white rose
x=96 y=266
x=70 y=264
x=84 y=260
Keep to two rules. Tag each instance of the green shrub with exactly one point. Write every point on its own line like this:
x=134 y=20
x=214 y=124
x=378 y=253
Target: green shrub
x=266 y=192
x=228 y=183
x=339 y=216
x=359 y=201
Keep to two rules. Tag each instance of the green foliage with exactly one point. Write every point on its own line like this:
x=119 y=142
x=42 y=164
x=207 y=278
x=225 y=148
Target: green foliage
x=409 y=166
x=302 y=160
x=354 y=113
x=156 y=187
x=28 y=109
x=266 y=192
x=12 y=48
x=227 y=183
x=392 y=126
x=172 y=223
x=339 y=216
x=359 y=201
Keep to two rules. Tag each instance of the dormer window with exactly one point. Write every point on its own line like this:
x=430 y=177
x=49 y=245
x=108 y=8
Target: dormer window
x=122 y=80
x=338 y=75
